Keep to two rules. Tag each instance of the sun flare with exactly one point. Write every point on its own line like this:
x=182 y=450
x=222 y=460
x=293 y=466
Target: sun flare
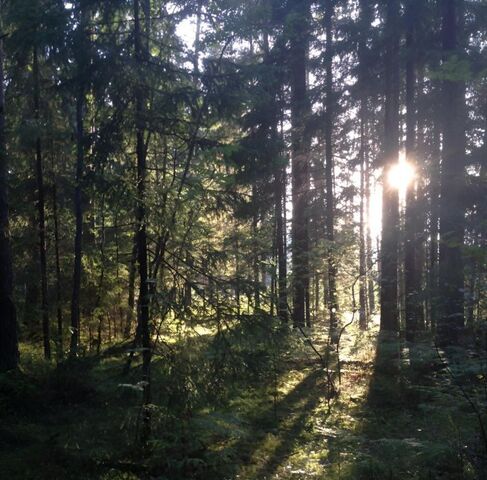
x=401 y=175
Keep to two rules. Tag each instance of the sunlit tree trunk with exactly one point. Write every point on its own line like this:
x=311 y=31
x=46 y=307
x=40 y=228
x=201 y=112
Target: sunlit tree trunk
x=366 y=304
x=363 y=317
x=434 y=214
x=280 y=187
x=389 y=321
x=281 y=182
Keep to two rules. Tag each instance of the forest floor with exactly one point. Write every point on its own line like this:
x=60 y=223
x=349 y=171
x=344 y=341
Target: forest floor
x=380 y=413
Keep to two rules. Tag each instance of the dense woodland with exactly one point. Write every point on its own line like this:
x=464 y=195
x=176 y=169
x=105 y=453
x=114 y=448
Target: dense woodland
x=243 y=239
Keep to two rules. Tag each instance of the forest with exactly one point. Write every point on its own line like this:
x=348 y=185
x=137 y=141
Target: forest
x=243 y=239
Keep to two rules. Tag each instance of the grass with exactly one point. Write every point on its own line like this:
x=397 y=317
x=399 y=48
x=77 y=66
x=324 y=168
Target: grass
x=261 y=411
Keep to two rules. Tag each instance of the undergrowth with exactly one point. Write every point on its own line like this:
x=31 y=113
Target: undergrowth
x=252 y=401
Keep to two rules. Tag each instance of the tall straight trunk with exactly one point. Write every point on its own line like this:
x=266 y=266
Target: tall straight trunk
x=412 y=269
x=141 y=152
x=78 y=206
x=421 y=203
x=59 y=311
x=41 y=212
x=300 y=111
x=279 y=194
x=434 y=194
x=362 y=248
x=9 y=350
x=329 y=169
x=471 y=286
x=368 y=242
x=389 y=321
x=365 y=264
x=452 y=214
x=280 y=187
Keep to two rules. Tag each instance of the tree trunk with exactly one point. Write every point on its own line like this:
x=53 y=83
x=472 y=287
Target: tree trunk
x=363 y=320
x=9 y=351
x=365 y=261
x=78 y=206
x=280 y=187
x=389 y=321
x=329 y=170
x=300 y=111
x=368 y=241
x=59 y=312
x=41 y=212
x=255 y=251
x=434 y=194
x=452 y=215
x=144 y=300
x=412 y=270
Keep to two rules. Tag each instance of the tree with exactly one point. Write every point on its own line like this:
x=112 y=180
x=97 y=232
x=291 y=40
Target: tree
x=452 y=210
x=389 y=318
x=81 y=88
x=141 y=52
x=329 y=168
x=412 y=266
x=41 y=209
x=363 y=80
x=9 y=353
x=297 y=25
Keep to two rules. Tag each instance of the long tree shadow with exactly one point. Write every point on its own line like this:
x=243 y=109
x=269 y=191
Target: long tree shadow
x=385 y=414
x=290 y=415
x=412 y=419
